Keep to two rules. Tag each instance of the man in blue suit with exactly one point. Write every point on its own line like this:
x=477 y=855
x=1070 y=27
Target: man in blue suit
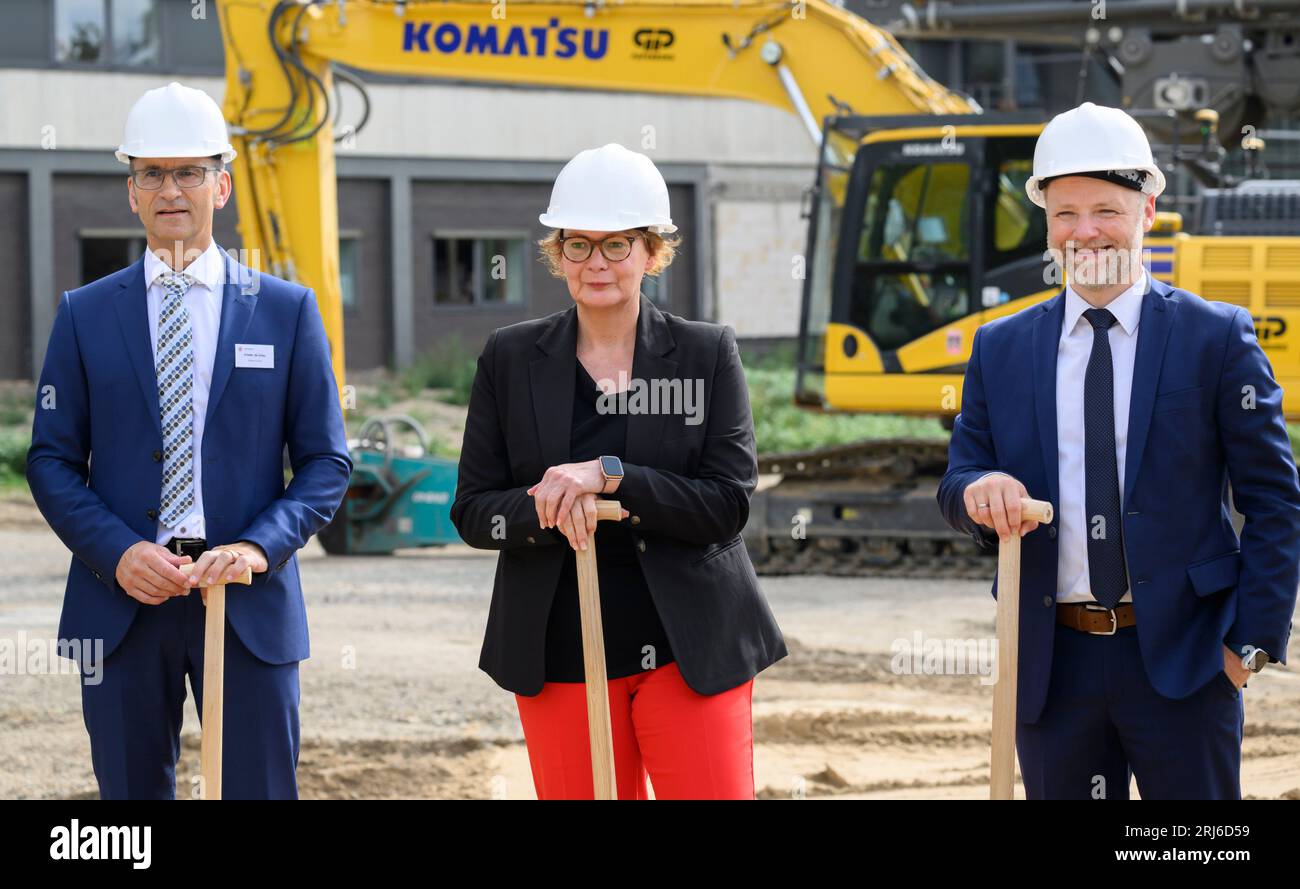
x=1131 y=406
x=170 y=392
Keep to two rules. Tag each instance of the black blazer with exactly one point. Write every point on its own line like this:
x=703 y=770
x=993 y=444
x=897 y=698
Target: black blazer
x=686 y=486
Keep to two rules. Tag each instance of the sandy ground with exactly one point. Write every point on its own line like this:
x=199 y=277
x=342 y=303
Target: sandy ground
x=393 y=705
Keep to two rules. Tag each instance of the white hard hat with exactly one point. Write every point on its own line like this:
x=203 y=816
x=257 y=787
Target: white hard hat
x=609 y=189
x=1094 y=140
x=175 y=121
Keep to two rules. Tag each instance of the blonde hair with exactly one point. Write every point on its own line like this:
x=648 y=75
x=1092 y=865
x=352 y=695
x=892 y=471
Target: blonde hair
x=662 y=249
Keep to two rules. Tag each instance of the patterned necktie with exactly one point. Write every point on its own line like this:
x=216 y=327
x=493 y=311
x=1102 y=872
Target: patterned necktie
x=1106 y=572
x=175 y=365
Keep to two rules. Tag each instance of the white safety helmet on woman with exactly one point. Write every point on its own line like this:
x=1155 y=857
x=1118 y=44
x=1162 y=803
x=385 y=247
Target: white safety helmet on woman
x=609 y=189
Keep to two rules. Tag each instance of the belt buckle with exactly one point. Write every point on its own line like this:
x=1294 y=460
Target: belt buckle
x=1114 y=620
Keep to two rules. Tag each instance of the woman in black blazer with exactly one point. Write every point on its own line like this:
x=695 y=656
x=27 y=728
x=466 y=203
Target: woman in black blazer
x=686 y=626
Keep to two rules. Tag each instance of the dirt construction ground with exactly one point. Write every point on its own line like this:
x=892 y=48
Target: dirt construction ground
x=393 y=705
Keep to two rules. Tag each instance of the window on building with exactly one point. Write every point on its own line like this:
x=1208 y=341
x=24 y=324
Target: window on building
x=105 y=252
x=123 y=33
x=504 y=269
x=349 y=248
x=80 y=30
x=478 y=269
x=135 y=32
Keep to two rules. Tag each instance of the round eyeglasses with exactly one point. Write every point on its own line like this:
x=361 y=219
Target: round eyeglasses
x=615 y=248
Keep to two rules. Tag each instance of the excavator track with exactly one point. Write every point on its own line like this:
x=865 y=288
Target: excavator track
x=866 y=509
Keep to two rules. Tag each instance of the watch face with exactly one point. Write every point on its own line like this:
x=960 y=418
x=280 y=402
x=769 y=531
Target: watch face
x=612 y=466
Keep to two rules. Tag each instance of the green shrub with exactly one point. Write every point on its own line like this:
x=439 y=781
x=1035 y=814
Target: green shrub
x=448 y=367
x=13 y=454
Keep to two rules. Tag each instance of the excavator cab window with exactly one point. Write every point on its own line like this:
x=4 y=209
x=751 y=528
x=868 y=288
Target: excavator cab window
x=1019 y=227
x=1014 y=216
x=1013 y=265
x=913 y=251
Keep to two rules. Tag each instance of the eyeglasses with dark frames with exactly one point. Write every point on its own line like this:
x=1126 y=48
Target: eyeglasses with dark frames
x=615 y=248
x=152 y=178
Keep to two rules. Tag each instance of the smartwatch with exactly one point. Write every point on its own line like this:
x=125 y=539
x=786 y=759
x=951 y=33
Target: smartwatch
x=612 y=469
x=1254 y=659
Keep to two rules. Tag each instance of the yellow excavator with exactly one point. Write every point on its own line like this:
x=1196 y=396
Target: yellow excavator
x=919 y=227
x=281 y=58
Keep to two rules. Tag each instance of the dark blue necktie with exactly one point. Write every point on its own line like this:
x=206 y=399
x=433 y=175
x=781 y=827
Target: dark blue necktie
x=1106 y=572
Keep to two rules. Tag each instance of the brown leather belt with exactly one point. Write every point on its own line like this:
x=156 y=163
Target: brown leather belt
x=1091 y=617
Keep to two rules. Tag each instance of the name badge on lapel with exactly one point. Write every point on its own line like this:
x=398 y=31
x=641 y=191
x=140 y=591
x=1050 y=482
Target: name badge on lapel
x=254 y=355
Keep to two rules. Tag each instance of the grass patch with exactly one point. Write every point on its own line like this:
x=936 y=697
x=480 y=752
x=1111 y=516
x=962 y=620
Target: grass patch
x=780 y=426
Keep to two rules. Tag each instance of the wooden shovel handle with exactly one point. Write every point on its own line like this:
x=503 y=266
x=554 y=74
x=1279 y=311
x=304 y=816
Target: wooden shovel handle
x=214 y=670
x=1002 y=764
x=599 y=731
x=1036 y=510
x=245 y=578
x=608 y=511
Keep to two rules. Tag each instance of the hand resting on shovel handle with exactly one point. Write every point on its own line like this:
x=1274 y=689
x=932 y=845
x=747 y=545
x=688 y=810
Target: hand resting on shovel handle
x=994 y=502
x=580 y=524
x=229 y=563
x=246 y=577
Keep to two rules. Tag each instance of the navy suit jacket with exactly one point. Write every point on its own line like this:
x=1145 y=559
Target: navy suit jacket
x=1205 y=411
x=95 y=474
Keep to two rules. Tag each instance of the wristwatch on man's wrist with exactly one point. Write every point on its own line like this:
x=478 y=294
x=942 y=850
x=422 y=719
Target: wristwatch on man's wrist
x=612 y=469
x=1253 y=659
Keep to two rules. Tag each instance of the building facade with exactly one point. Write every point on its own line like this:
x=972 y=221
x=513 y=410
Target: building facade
x=443 y=177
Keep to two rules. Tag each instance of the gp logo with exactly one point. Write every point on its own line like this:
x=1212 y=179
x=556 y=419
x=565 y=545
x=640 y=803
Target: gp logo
x=1270 y=327
x=653 y=39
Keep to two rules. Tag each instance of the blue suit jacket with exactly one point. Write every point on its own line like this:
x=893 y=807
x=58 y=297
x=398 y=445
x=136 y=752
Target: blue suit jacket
x=1192 y=430
x=92 y=469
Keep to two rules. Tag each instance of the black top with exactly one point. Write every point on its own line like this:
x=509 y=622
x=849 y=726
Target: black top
x=627 y=610
x=687 y=486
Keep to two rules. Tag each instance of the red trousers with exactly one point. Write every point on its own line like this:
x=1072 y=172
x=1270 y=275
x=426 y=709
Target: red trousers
x=693 y=746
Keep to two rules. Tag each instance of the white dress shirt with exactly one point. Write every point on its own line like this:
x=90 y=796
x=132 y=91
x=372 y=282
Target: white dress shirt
x=203 y=303
x=1072 y=354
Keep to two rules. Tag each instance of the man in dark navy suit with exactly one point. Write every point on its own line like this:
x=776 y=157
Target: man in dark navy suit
x=1131 y=406
x=170 y=392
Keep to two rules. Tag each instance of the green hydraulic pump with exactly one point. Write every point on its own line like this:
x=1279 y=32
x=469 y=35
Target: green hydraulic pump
x=399 y=496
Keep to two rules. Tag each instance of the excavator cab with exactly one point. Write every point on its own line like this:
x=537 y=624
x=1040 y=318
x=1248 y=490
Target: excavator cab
x=920 y=231
x=918 y=237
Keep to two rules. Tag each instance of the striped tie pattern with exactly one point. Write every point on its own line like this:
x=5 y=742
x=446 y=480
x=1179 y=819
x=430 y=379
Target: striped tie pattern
x=175 y=365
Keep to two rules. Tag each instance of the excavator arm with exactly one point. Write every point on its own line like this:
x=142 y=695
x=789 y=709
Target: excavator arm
x=807 y=57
